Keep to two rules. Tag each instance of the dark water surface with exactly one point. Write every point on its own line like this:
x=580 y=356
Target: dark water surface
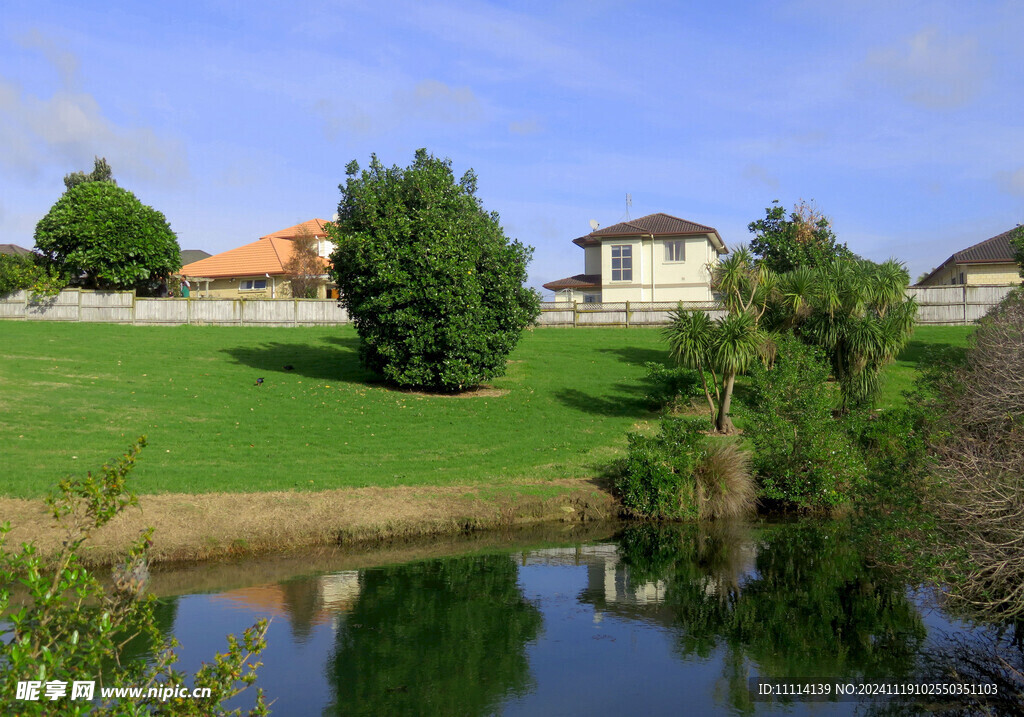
x=643 y=620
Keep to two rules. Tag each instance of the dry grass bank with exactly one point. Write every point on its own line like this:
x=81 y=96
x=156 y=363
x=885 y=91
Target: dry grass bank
x=199 y=527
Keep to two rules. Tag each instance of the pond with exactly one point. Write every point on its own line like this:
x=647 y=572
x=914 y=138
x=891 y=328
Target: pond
x=619 y=620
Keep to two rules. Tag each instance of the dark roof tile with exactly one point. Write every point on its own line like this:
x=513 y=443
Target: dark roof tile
x=579 y=281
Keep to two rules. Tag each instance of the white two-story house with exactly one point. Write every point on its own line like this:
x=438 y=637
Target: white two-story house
x=654 y=258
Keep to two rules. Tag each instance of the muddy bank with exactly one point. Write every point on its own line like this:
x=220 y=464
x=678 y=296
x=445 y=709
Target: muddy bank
x=201 y=527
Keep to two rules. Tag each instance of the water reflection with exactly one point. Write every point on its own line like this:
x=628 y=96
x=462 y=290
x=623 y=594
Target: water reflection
x=798 y=605
x=446 y=637
x=661 y=618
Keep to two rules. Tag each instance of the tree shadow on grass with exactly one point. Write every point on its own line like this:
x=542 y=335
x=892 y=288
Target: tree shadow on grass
x=638 y=356
x=338 y=362
x=922 y=353
x=628 y=402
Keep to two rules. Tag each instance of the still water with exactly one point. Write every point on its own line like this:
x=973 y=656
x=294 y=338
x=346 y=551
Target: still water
x=646 y=620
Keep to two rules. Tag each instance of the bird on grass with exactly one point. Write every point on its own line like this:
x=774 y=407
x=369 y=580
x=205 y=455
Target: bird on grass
x=259 y=382
x=289 y=367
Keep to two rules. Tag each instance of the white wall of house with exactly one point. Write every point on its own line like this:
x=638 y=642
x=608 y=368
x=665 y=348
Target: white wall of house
x=656 y=275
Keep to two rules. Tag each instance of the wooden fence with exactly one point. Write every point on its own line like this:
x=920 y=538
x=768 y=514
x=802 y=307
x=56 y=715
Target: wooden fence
x=123 y=307
x=956 y=305
x=940 y=305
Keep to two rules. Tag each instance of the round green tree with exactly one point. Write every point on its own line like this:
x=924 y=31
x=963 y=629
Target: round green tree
x=432 y=283
x=104 y=234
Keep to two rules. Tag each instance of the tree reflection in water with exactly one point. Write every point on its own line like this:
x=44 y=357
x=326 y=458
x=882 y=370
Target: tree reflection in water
x=799 y=604
x=444 y=637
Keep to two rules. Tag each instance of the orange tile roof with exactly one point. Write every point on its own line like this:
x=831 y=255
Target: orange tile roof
x=266 y=256
x=313 y=226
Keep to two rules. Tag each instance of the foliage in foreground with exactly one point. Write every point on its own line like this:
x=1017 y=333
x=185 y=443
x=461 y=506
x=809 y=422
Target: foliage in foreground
x=105 y=233
x=979 y=449
x=432 y=283
x=679 y=474
x=64 y=626
x=803 y=457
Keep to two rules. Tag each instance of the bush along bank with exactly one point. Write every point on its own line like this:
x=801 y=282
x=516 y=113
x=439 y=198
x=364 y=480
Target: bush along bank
x=805 y=455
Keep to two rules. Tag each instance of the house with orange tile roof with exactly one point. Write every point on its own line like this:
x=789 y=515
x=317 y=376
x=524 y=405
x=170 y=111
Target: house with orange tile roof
x=257 y=270
x=654 y=258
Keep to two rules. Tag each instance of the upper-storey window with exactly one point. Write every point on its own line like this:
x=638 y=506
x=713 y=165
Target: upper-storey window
x=675 y=250
x=622 y=262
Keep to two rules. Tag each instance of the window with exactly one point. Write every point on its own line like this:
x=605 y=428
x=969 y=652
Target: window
x=253 y=284
x=675 y=250
x=591 y=298
x=622 y=262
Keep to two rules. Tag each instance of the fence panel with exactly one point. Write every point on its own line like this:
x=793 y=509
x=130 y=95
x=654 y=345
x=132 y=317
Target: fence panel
x=13 y=305
x=318 y=312
x=161 y=311
x=268 y=312
x=215 y=311
x=62 y=307
x=114 y=307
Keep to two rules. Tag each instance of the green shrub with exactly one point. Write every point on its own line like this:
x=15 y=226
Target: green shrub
x=671 y=387
x=432 y=283
x=679 y=475
x=803 y=457
x=64 y=626
x=22 y=272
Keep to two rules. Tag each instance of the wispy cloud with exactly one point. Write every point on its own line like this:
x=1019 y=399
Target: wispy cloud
x=69 y=127
x=932 y=69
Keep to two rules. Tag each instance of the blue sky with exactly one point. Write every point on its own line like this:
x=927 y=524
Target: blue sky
x=903 y=124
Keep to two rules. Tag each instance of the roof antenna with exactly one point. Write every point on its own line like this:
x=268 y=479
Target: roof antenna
x=629 y=203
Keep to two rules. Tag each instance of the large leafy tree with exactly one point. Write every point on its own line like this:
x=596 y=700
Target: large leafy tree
x=803 y=237
x=725 y=347
x=432 y=283
x=104 y=234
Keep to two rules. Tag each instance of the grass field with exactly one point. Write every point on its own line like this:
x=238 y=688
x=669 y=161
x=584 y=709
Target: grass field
x=74 y=395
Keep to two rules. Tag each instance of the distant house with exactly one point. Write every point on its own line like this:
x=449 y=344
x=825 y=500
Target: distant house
x=256 y=270
x=988 y=262
x=654 y=258
x=14 y=250
x=189 y=256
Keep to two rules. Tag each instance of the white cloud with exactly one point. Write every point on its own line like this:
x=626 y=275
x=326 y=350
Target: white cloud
x=428 y=101
x=65 y=62
x=933 y=70
x=758 y=174
x=69 y=128
x=434 y=100
x=525 y=127
x=1012 y=182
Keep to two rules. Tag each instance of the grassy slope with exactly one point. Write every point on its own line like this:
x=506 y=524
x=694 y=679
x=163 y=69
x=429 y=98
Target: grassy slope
x=74 y=395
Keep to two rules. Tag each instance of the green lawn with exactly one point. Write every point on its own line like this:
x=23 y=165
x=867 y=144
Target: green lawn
x=899 y=376
x=74 y=395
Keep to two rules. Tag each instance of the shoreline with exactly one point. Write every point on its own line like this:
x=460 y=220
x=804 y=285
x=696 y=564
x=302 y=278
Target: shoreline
x=200 y=527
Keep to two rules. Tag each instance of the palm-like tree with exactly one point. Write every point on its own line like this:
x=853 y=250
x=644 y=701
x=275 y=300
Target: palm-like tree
x=726 y=346
x=857 y=311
